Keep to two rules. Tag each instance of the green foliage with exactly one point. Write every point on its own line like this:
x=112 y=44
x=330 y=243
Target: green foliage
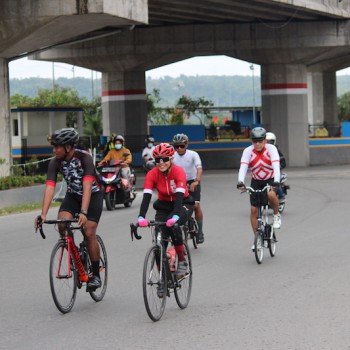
x=32 y=165
x=176 y=116
x=16 y=170
x=7 y=182
x=156 y=115
x=196 y=107
x=93 y=118
x=343 y=105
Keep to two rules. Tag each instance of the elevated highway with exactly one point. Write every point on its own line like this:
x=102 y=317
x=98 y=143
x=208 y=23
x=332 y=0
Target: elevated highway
x=300 y=45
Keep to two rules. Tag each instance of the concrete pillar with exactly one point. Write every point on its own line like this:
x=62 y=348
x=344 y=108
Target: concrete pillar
x=124 y=106
x=322 y=101
x=5 y=135
x=284 y=109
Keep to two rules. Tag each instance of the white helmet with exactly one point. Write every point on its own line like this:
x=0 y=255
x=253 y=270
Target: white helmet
x=271 y=138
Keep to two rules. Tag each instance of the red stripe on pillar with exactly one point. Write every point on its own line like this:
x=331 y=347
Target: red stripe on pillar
x=124 y=92
x=284 y=86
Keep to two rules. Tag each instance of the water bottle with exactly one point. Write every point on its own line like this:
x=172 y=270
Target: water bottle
x=171 y=254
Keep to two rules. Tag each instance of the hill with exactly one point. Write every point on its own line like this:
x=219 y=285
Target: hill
x=223 y=91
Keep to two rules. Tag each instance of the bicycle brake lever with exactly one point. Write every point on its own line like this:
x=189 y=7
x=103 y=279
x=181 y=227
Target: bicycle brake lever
x=40 y=227
x=133 y=231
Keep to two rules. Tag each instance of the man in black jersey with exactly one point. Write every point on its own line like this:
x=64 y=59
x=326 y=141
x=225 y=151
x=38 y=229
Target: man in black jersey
x=83 y=197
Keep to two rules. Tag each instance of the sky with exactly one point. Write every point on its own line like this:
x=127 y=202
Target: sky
x=210 y=65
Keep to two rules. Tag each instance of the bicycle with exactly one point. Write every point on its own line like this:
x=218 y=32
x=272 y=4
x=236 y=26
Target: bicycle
x=264 y=236
x=191 y=230
x=159 y=279
x=70 y=266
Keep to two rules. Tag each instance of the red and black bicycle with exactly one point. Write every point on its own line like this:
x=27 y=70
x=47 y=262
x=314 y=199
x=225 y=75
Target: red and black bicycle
x=70 y=266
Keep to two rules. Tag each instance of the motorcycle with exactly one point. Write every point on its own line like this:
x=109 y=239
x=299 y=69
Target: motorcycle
x=117 y=190
x=285 y=188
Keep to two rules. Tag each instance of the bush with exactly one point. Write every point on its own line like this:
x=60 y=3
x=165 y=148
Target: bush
x=8 y=182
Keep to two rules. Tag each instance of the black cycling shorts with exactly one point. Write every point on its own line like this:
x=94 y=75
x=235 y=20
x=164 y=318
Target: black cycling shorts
x=259 y=185
x=72 y=204
x=196 y=194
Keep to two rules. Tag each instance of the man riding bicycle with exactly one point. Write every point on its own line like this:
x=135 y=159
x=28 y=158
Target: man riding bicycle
x=83 y=195
x=190 y=161
x=264 y=162
x=174 y=204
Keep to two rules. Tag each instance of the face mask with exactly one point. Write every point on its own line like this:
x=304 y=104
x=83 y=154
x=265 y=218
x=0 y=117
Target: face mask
x=118 y=146
x=150 y=145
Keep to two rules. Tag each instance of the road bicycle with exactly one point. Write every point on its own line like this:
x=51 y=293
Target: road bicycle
x=191 y=230
x=159 y=278
x=264 y=236
x=70 y=266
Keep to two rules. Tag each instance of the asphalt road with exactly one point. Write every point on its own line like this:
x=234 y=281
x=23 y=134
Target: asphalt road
x=297 y=300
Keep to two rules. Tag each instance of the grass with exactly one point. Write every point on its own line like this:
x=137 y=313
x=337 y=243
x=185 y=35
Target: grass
x=24 y=208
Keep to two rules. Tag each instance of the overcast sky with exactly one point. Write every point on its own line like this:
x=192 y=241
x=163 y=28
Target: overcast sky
x=211 y=65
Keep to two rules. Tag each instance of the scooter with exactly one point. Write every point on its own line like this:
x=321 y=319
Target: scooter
x=117 y=190
x=285 y=188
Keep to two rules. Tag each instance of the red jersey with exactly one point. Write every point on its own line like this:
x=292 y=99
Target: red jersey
x=166 y=185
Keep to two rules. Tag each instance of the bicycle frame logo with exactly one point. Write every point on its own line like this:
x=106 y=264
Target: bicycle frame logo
x=83 y=277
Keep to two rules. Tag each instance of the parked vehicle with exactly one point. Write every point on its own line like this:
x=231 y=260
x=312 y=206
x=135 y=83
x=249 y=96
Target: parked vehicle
x=117 y=190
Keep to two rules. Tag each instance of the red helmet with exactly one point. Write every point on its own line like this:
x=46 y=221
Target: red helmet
x=163 y=150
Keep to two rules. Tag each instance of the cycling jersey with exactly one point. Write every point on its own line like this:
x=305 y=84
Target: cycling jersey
x=263 y=165
x=148 y=152
x=166 y=185
x=75 y=171
x=189 y=161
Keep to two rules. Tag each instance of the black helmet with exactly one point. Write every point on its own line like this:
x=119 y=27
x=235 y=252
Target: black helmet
x=258 y=133
x=65 y=136
x=180 y=138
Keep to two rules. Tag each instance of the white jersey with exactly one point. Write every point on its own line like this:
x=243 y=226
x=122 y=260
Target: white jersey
x=190 y=162
x=263 y=165
x=148 y=152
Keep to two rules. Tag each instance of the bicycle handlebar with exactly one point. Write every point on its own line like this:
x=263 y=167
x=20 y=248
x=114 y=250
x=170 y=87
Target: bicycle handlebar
x=151 y=223
x=50 y=222
x=252 y=190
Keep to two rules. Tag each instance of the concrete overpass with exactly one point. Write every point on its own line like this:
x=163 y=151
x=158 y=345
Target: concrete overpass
x=299 y=44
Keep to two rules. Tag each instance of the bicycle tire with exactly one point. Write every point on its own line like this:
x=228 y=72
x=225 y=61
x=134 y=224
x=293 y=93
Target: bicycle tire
x=99 y=293
x=63 y=286
x=258 y=247
x=154 y=278
x=193 y=229
x=272 y=243
x=183 y=287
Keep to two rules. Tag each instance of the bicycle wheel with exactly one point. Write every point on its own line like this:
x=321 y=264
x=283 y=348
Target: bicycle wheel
x=63 y=277
x=99 y=293
x=193 y=227
x=258 y=247
x=183 y=286
x=154 y=284
x=272 y=241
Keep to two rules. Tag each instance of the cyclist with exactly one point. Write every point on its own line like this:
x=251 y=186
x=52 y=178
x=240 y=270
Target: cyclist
x=119 y=152
x=174 y=203
x=263 y=160
x=190 y=161
x=271 y=138
x=147 y=154
x=83 y=192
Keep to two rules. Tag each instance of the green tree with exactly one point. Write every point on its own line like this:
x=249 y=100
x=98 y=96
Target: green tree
x=197 y=107
x=156 y=115
x=343 y=105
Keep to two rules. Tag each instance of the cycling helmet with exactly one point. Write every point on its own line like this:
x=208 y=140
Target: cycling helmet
x=65 y=136
x=271 y=138
x=258 y=133
x=180 y=138
x=119 y=138
x=150 y=139
x=163 y=150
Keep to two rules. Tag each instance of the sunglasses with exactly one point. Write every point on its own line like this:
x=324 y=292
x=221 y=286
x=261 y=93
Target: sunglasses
x=258 y=141
x=163 y=159
x=179 y=146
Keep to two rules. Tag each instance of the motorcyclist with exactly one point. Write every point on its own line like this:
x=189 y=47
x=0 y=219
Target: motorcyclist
x=271 y=138
x=147 y=154
x=110 y=144
x=119 y=152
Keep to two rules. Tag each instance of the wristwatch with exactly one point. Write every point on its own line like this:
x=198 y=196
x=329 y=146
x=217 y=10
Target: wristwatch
x=84 y=212
x=196 y=180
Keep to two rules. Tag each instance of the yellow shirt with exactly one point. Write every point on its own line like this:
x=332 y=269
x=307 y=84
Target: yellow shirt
x=115 y=154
